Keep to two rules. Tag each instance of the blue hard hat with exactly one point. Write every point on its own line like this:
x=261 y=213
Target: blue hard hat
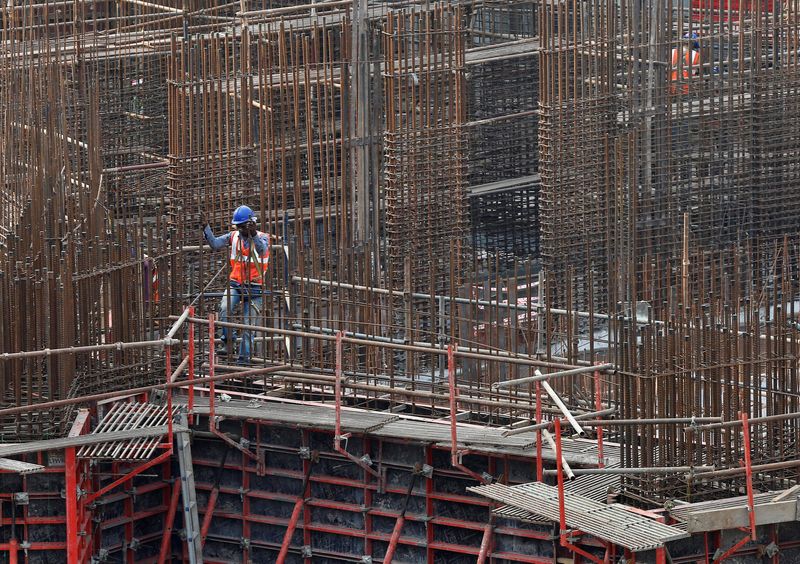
x=243 y=214
x=693 y=36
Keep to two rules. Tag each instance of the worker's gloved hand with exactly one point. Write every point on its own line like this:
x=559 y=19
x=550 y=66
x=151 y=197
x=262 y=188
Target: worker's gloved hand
x=250 y=229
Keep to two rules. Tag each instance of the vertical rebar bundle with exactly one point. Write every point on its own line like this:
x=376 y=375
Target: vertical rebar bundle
x=425 y=147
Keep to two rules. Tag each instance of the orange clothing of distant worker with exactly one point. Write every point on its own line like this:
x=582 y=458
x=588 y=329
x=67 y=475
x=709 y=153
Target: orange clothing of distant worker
x=691 y=60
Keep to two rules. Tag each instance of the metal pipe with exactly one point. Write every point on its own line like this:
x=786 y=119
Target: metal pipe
x=562 y=512
x=169 y=521
x=211 y=353
x=583 y=417
x=539 y=461
x=455 y=454
x=209 y=514
x=598 y=406
x=178 y=323
x=258 y=14
x=401 y=294
x=13 y=551
x=180 y=368
x=338 y=436
x=140 y=390
x=287 y=537
x=453 y=299
x=190 y=375
x=560 y=460
x=732 y=550
x=90 y=348
x=751 y=507
x=486 y=542
x=563 y=407
x=398 y=527
x=464 y=352
x=633 y=471
x=738 y=422
x=170 y=378
x=212 y=400
x=498 y=356
x=555 y=362
x=290 y=376
x=651 y=421
x=298 y=506
x=541 y=377
x=451 y=382
x=757 y=468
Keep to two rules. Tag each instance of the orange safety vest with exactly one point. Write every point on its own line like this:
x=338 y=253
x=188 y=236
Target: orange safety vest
x=691 y=60
x=244 y=268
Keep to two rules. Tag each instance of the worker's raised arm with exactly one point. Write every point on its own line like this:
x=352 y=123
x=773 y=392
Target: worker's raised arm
x=216 y=243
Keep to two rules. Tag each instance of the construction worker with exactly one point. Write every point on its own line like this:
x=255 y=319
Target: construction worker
x=689 y=66
x=248 y=274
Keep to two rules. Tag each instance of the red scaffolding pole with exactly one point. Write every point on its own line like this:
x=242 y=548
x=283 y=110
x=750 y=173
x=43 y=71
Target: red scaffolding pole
x=338 y=435
x=539 y=463
x=455 y=453
x=169 y=521
x=562 y=512
x=751 y=509
x=598 y=406
x=77 y=519
x=191 y=365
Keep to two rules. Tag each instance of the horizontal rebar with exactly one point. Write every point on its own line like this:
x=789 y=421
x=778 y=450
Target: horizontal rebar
x=633 y=471
x=539 y=377
x=500 y=356
x=160 y=343
x=582 y=417
x=139 y=390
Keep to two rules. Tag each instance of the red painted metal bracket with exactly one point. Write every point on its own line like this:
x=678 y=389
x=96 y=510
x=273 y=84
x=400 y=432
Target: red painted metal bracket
x=338 y=436
x=455 y=453
x=751 y=509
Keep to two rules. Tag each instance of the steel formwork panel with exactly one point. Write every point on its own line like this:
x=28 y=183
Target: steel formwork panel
x=348 y=513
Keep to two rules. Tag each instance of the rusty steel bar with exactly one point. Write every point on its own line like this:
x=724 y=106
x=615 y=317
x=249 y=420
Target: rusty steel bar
x=140 y=390
x=160 y=343
x=634 y=471
x=608 y=367
x=583 y=418
x=500 y=356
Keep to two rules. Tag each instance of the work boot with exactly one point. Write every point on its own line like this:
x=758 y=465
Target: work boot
x=221 y=350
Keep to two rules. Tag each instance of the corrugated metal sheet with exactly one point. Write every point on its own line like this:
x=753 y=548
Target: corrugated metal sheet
x=607 y=522
x=19 y=467
x=511 y=512
x=127 y=416
x=681 y=512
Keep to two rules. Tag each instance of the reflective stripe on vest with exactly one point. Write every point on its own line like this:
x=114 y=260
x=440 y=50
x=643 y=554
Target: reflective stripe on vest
x=244 y=268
